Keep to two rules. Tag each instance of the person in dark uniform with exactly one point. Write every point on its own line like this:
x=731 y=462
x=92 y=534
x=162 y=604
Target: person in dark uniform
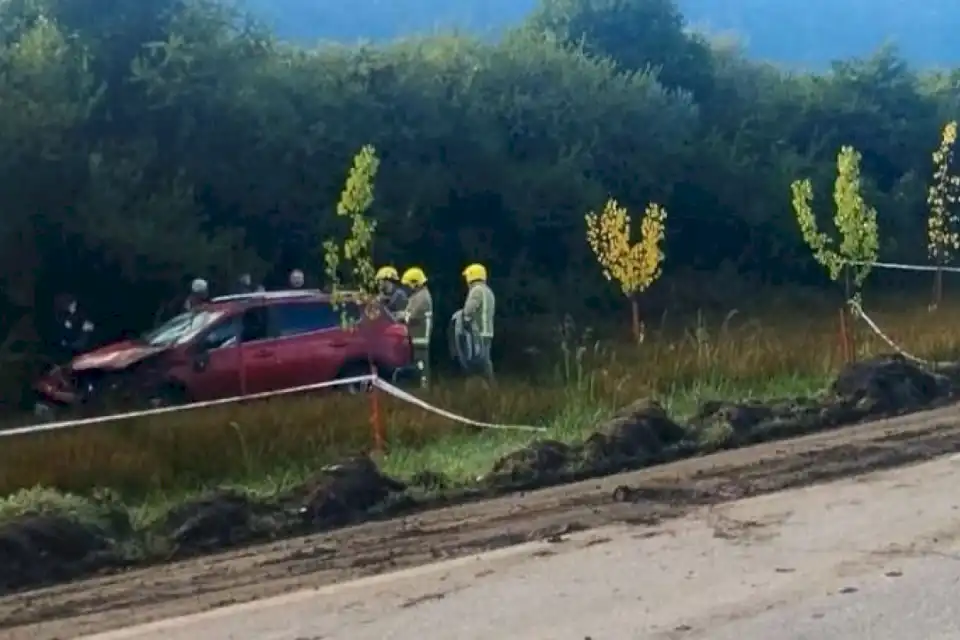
x=392 y=292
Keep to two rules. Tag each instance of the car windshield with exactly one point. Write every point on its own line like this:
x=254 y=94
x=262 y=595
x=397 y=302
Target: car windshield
x=180 y=329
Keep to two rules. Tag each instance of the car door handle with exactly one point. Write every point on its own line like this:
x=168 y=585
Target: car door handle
x=340 y=344
x=263 y=353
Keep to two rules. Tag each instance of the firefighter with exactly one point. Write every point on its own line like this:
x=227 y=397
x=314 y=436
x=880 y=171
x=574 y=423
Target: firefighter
x=392 y=293
x=297 y=279
x=419 y=317
x=199 y=293
x=478 y=313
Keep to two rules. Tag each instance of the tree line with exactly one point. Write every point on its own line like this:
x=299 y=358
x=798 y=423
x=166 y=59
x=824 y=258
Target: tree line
x=146 y=143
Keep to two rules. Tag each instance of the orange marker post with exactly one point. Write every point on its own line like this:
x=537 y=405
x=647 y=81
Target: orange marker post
x=376 y=420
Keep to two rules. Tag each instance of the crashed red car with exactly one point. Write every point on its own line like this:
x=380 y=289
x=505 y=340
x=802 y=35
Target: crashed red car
x=233 y=346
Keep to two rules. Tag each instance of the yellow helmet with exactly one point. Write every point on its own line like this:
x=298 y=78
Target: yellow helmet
x=387 y=273
x=475 y=272
x=414 y=277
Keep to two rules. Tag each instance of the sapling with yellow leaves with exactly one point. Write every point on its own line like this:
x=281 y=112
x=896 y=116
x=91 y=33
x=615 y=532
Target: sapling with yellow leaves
x=943 y=226
x=356 y=250
x=634 y=266
x=858 y=245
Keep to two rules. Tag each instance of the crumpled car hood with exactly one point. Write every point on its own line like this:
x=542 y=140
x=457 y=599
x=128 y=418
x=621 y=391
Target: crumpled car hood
x=115 y=357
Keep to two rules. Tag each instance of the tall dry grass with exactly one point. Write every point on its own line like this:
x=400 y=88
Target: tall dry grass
x=193 y=448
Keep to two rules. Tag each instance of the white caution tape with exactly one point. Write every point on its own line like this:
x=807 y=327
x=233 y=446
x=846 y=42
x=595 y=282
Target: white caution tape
x=858 y=310
x=903 y=267
x=930 y=364
x=400 y=394
x=69 y=424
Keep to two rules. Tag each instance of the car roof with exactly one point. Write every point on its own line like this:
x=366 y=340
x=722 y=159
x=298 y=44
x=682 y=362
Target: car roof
x=287 y=295
x=270 y=296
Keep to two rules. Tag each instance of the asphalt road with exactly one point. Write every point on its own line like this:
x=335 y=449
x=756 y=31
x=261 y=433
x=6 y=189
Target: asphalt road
x=876 y=557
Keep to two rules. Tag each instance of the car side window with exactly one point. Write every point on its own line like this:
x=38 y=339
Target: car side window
x=292 y=319
x=224 y=334
x=254 y=324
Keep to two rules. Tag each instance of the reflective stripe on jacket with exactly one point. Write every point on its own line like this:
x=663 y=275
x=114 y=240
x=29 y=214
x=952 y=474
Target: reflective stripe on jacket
x=480 y=308
x=419 y=316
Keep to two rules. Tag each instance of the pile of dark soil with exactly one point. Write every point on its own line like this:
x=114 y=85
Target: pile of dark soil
x=40 y=549
x=341 y=492
x=44 y=548
x=642 y=433
x=875 y=388
x=640 y=430
x=218 y=520
x=890 y=385
x=334 y=496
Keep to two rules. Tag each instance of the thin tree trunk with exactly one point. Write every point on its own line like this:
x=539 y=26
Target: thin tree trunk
x=635 y=320
x=937 y=289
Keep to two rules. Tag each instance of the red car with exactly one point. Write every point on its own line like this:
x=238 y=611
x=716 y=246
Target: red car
x=235 y=346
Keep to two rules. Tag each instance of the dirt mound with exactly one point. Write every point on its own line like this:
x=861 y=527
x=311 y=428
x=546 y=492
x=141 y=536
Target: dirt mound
x=889 y=384
x=641 y=429
x=638 y=431
x=537 y=460
x=228 y=517
x=643 y=432
x=874 y=388
x=217 y=520
x=37 y=549
x=720 y=424
x=341 y=491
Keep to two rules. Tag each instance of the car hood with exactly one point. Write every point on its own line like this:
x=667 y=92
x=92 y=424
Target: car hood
x=115 y=357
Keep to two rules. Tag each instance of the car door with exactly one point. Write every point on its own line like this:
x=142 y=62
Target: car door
x=260 y=363
x=310 y=341
x=215 y=367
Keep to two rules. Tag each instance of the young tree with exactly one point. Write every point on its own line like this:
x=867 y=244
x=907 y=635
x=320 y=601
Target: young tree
x=356 y=251
x=634 y=266
x=855 y=220
x=943 y=238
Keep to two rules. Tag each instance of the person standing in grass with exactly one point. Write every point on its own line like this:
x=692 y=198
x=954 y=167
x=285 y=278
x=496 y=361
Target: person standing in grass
x=478 y=313
x=419 y=318
x=392 y=293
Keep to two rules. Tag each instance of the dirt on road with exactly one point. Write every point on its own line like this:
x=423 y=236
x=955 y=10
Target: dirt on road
x=639 y=499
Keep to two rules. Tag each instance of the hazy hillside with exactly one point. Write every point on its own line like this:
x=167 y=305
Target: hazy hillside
x=808 y=32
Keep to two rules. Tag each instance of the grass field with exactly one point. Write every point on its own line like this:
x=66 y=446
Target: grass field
x=272 y=444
